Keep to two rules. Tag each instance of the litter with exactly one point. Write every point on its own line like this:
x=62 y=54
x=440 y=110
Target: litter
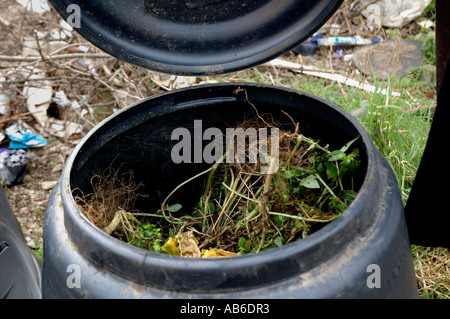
x=310 y=47
x=305 y=69
x=4 y=103
x=37 y=6
x=172 y=82
x=343 y=41
x=64 y=32
x=340 y=52
x=395 y=14
x=38 y=102
x=13 y=166
x=22 y=136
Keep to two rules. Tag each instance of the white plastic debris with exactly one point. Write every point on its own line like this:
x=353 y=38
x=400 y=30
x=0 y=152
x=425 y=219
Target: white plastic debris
x=426 y=24
x=30 y=242
x=393 y=13
x=61 y=99
x=38 y=6
x=61 y=33
x=4 y=103
x=38 y=102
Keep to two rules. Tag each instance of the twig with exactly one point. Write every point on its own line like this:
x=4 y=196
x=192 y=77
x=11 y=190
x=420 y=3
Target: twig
x=14 y=117
x=54 y=57
x=39 y=48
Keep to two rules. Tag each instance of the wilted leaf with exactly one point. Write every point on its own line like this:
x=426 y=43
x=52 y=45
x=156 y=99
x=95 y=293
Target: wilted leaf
x=208 y=253
x=217 y=253
x=188 y=245
x=171 y=247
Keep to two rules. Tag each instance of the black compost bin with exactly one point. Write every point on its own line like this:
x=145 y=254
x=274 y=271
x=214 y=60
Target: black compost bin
x=336 y=261
x=367 y=242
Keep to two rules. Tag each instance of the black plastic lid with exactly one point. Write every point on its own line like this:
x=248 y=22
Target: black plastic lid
x=197 y=37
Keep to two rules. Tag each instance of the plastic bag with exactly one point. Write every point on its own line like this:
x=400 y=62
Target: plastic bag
x=393 y=13
x=22 y=136
x=13 y=166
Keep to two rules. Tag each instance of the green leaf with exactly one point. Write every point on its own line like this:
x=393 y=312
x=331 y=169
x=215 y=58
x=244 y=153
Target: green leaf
x=278 y=241
x=174 y=208
x=336 y=155
x=331 y=170
x=288 y=174
x=310 y=182
x=346 y=146
x=242 y=241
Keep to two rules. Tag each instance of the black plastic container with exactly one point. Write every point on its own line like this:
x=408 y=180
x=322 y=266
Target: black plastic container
x=196 y=37
x=364 y=253
x=20 y=271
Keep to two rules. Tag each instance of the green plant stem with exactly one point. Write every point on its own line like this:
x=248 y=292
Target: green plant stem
x=327 y=187
x=114 y=223
x=303 y=218
x=291 y=156
x=314 y=144
x=239 y=194
x=211 y=175
x=163 y=204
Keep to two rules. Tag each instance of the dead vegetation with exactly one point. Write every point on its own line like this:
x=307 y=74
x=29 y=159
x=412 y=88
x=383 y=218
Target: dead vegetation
x=252 y=201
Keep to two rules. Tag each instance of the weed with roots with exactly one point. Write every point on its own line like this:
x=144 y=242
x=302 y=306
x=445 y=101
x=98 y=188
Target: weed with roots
x=240 y=210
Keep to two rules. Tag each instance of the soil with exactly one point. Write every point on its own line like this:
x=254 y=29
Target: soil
x=29 y=198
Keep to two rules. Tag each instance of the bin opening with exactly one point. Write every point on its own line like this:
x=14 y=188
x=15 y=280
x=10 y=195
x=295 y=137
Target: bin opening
x=145 y=148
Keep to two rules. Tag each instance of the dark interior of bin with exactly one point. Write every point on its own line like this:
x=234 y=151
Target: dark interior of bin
x=140 y=140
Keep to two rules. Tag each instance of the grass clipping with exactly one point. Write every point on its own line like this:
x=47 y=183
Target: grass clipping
x=240 y=210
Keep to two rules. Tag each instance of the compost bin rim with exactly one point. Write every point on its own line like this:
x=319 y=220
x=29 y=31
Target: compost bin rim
x=148 y=49
x=74 y=217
